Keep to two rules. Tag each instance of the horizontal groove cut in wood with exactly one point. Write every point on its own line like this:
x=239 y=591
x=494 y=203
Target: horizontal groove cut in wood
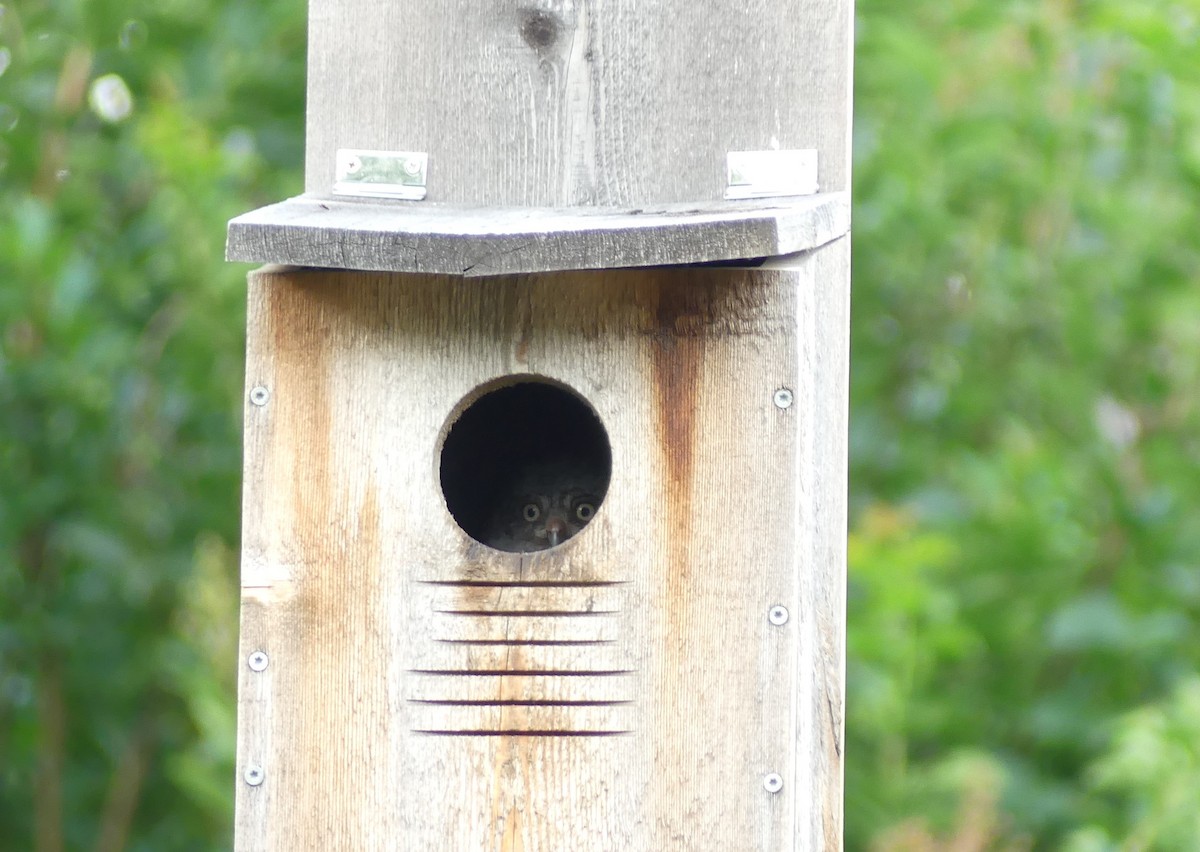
x=452 y=657
x=505 y=672
x=541 y=718
x=508 y=703
x=525 y=584
x=519 y=733
x=531 y=613
x=442 y=707
x=529 y=630
x=554 y=601
x=531 y=642
x=418 y=237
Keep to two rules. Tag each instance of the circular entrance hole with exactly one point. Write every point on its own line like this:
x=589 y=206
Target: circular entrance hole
x=525 y=466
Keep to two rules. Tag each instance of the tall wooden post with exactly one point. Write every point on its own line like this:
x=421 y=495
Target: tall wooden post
x=505 y=250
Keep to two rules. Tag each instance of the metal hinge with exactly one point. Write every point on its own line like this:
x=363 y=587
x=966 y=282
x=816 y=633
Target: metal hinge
x=762 y=174
x=381 y=174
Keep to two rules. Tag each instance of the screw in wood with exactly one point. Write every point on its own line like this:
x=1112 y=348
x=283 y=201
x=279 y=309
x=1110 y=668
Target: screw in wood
x=778 y=615
x=260 y=395
x=783 y=398
x=773 y=783
x=257 y=661
x=254 y=775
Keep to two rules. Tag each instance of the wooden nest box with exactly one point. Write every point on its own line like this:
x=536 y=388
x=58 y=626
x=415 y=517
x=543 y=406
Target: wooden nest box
x=545 y=439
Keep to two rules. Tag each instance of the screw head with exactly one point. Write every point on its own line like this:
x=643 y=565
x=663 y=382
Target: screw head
x=260 y=395
x=412 y=166
x=254 y=775
x=783 y=398
x=778 y=615
x=257 y=661
x=353 y=165
x=773 y=783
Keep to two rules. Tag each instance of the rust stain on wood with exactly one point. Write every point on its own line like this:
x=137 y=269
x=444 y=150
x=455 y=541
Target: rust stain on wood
x=515 y=660
x=685 y=315
x=511 y=773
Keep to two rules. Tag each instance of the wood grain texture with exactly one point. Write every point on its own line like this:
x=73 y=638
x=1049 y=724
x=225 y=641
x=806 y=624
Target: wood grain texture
x=624 y=691
x=420 y=237
x=820 y=470
x=565 y=103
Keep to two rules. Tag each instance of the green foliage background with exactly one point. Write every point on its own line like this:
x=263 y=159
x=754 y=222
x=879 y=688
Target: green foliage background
x=1025 y=557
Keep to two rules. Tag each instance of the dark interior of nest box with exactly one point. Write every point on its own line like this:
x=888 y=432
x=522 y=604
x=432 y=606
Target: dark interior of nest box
x=516 y=443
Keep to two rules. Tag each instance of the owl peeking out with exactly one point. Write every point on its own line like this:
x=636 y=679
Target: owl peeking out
x=543 y=505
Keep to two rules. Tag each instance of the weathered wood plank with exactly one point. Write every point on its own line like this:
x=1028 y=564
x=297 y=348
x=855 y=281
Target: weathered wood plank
x=527 y=600
x=547 y=689
x=526 y=630
x=254 y=806
x=420 y=237
x=823 y=323
x=457 y=658
x=721 y=505
x=548 y=103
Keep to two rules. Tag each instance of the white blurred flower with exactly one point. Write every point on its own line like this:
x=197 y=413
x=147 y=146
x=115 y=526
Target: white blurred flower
x=238 y=145
x=110 y=98
x=1116 y=424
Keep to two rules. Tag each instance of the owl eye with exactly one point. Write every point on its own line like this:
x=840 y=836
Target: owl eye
x=585 y=511
x=531 y=512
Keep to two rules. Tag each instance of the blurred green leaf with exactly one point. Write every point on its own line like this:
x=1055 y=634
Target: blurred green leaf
x=121 y=340
x=1023 y=386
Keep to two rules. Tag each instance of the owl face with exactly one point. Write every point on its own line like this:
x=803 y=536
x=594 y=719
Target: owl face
x=543 y=505
x=542 y=520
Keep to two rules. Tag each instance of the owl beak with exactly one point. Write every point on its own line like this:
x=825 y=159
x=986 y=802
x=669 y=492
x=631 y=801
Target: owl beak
x=555 y=529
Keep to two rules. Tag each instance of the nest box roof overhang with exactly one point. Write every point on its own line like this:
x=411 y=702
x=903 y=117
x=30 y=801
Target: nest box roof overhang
x=417 y=237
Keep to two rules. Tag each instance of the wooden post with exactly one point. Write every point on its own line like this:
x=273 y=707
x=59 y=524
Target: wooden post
x=671 y=677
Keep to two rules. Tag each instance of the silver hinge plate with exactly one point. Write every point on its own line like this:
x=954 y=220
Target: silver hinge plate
x=762 y=174
x=381 y=174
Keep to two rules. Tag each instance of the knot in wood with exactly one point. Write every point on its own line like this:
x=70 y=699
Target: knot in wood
x=539 y=28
